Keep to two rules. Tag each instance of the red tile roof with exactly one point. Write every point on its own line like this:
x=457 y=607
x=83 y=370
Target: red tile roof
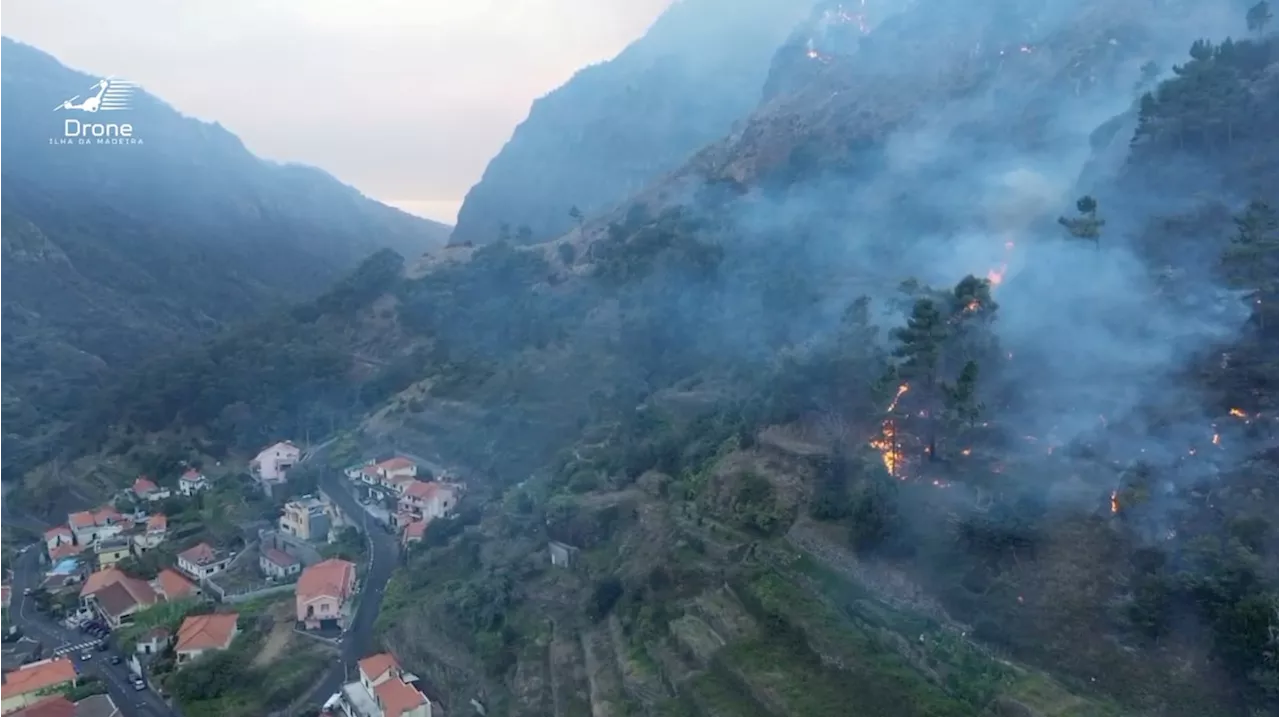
x=81 y=519
x=422 y=490
x=200 y=554
x=279 y=557
x=143 y=486
x=192 y=475
x=55 y=706
x=204 y=632
x=137 y=590
x=415 y=530
x=396 y=697
x=374 y=666
x=395 y=464
x=57 y=530
x=174 y=584
x=157 y=523
x=38 y=676
x=333 y=578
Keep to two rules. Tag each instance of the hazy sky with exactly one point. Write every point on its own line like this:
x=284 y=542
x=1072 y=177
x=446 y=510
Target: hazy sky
x=405 y=99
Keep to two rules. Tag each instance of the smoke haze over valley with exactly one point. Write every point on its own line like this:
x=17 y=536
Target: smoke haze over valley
x=874 y=357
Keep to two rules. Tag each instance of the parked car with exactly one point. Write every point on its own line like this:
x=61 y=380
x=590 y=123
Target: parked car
x=139 y=684
x=116 y=659
x=86 y=656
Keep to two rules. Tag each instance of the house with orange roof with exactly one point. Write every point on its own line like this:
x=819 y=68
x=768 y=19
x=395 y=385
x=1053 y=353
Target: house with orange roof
x=428 y=499
x=64 y=551
x=31 y=683
x=205 y=633
x=324 y=593
x=116 y=596
x=398 y=466
x=55 y=706
x=146 y=489
x=173 y=585
x=56 y=536
x=272 y=463
x=192 y=482
x=414 y=531
x=203 y=561
x=155 y=532
x=90 y=526
x=383 y=690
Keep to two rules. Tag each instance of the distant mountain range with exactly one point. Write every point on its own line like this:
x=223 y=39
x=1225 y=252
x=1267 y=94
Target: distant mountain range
x=111 y=252
x=615 y=127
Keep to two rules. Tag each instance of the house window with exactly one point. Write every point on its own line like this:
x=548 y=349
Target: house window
x=324 y=607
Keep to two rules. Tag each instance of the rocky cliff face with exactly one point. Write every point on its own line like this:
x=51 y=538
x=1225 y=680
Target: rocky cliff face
x=617 y=126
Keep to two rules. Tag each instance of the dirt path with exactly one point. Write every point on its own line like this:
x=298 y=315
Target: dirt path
x=281 y=633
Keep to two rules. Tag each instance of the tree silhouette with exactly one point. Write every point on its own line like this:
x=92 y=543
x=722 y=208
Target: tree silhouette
x=1258 y=17
x=1088 y=225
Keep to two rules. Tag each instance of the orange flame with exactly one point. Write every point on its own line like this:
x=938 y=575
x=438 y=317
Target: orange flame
x=1238 y=413
x=1115 y=503
x=1217 y=440
x=886 y=442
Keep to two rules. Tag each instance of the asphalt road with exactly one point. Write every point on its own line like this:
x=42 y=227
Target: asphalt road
x=53 y=635
x=384 y=551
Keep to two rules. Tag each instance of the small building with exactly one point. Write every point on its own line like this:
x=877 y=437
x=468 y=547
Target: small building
x=383 y=690
x=414 y=531
x=157 y=529
x=154 y=641
x=173 y=585
x=58 y=536
x=398 y=466
x=203 y=561
x=306 y=518
x=428 y=499
x=562 y=555
x=111 y=551
x=192 y=482
x=147 y=490
x=30 y=683
x=272 y=463
x=90 y=526
x=324 y=594
x=116 y=596
x=276 y=563
x=205 y=633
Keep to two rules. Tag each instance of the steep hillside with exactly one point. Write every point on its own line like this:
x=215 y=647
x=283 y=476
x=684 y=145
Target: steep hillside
x=619 y=125
x=866 y=410
x=112 y=252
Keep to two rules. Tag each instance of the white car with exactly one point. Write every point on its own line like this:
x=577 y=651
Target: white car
x=139 y=684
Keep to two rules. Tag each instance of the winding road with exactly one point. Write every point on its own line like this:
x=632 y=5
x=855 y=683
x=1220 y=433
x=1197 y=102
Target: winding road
x=384 y=552
x=55 y=636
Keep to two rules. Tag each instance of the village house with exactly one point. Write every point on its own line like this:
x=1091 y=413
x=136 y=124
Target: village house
x=306 y=518
x=205 y=633
x=146 y=489
x=154 y=641
x=56 y=536
x=157 y=529
x=324 y=594
x=275 y=563
x=99 y=705
x=30 y=683
x=272 y=463
x=383 y=690
x=111 y=551
x=414 y=531
x=562 y=555
x=173 y=585
x=90 y=526
x=203 y=561
x=192 y=482
x=115 y=596
x=428 y=500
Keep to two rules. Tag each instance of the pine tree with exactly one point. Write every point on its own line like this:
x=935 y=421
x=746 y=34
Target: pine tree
x=920 y=349
x=1088 y=225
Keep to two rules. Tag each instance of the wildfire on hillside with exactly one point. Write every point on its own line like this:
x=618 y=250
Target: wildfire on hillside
x=1115 y=502
x=886 y=442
